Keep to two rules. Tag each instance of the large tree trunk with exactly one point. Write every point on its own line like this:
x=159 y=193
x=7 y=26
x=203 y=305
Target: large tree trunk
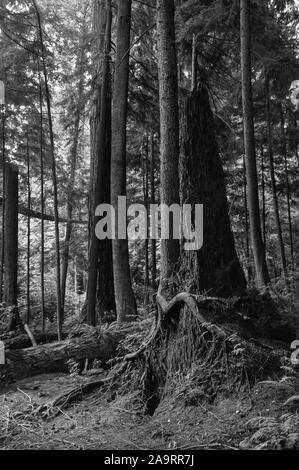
x=145 y=181
x=54 y=357
x=124 y=296
x=100 y=293
x=11 y=245
x=273 y=180
x=262 y=274
x=153 y=201
x=22 y=341
x=169 y=125
x=247 y=245
x=215 y=268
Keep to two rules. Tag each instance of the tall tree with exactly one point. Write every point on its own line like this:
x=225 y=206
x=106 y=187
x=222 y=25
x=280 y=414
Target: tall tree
x=145 y=181
x=215 y=268
x=42 y=202
x=73 y=157
x=11 y=245
x=287 y=182
x=28 y=228
x=100 y=282
x=124 y=296
x=3 y=204
x=169 y=125
x=59 y=311
x=273 y=179
x=153 y=201
x=258 y=249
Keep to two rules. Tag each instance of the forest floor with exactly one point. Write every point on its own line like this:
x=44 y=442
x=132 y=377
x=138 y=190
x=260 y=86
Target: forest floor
x=107 y=421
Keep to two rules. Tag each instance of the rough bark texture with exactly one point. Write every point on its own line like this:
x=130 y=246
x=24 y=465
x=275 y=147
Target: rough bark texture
x=124 y=296
x=42 y=203
x=10 y=297
x=100 y=292
x=262 y=275
x=28 y=232
x=22 y=341
x=54 y=357
x=215 y=268
x=145 y=181
x=3 y=208
x=169 y=124
x=153 y=201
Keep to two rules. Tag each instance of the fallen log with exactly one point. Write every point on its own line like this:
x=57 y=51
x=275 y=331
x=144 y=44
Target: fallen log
x=54 y=357
x=22 y=341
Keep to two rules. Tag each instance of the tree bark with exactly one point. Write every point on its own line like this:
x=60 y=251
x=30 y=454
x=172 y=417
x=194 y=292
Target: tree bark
x=100 y=293
x=169 y=126
x=263 y=199
x=28 y=232
x=54 y=357
x=42 y=203
x=215 y=268
x=22 y=341
x=248 y=260
x=11 y=245
x=124 y=296
x=3 y=209
x=262 y=275
x=146 y=205
x=153 y=201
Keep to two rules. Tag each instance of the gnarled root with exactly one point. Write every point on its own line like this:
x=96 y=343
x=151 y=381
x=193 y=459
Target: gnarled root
x=183 y=343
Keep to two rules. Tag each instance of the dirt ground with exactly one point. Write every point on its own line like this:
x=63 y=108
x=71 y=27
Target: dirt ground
x=103 y=421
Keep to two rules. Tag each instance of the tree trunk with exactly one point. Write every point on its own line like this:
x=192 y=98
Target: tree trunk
x=169 y=126
x=3 y=210
x=194 y=64
x=73 y=161
x=248 y=260
x=153 y=201
x=263 y=199
x=146 y=205
x=42 y=204
x=288 y=194
x=273 y=182
x=54 y=357
x=100 y=293
x=215 y=268
x=28 y=232
x=124 y=296
x=54 y=177
x=11 y=245
x=258 y=249
x=22 y=341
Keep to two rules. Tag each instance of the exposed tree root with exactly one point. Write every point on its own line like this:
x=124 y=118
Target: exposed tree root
x=182 y=339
